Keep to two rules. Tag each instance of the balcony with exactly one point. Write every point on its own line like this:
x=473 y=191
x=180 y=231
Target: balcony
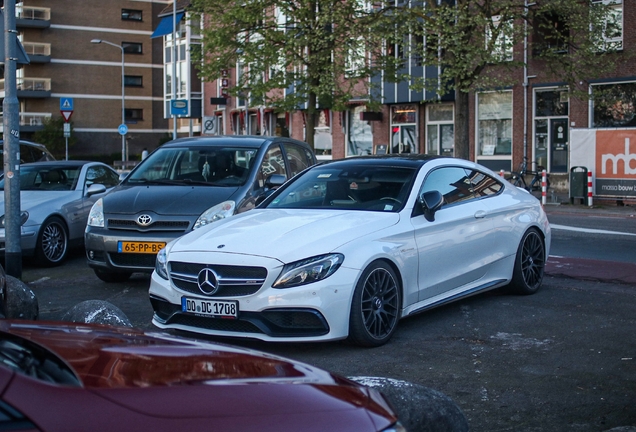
x=29 y=122
x=38 y=52
x=32 y=17
x=32 y=88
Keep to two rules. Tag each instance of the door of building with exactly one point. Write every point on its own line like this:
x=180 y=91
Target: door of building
x=559 y=140
x=403 y=139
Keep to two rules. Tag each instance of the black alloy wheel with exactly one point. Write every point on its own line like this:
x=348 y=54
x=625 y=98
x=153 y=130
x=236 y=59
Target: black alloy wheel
x=52 y=245
x=375 y=309
x=530 y=262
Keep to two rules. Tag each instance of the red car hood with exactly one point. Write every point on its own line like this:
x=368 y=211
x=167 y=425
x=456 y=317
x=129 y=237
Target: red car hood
x=120 y=357
x=165 y=377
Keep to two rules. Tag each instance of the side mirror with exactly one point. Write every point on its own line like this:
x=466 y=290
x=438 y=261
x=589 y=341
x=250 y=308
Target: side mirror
x=95 y=188
x=272 y=182
x=431 y=202
x=275 y=180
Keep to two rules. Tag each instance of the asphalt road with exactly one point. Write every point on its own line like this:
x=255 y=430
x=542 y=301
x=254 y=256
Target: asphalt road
x=561 y=360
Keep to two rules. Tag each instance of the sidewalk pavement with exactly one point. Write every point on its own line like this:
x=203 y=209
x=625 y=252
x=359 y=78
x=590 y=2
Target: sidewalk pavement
x=591 y=269
x=560 y=202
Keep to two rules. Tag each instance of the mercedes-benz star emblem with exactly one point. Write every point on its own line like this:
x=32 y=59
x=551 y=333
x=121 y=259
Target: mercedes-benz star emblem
x=144 y=220
x=208 y=281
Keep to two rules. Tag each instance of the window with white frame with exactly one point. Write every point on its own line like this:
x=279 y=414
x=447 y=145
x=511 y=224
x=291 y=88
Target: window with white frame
x=356 y=56
x=276 y=69
x=494 y=126
x=612 y=38
x=501 y=32
x=440 y=129
x=614 y=105
x=359 y=133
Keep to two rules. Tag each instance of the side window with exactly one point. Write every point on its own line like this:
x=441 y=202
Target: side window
x=452 y=182
x=483 y=184
x=25 y=154
x=101 y=175
x=297 y=159
x=273 y=163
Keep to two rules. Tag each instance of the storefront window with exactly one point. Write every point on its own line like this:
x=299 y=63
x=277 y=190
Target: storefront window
x=403 y=129
x=614 y=105
x=359 y=134
x=495 y=123
x=403 y=114
x=440 y=130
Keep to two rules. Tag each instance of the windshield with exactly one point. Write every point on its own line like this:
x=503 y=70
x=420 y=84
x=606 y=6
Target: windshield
x=223 y=166
x=28 y=358
x=374 y=188
x=43 y=177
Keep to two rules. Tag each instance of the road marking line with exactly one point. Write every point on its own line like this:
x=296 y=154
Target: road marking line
x=588 y=230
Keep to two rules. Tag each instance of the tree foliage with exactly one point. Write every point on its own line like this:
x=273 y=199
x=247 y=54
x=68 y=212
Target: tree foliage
x=472 y=41
x=300 y=54
x=52 y=136
x=304 y=54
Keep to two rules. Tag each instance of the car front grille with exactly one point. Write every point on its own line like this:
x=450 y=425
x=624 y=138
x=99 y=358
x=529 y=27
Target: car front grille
x=131 y=225
x=234 y=281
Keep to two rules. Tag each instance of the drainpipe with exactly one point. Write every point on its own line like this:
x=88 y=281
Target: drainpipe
x=525 y=81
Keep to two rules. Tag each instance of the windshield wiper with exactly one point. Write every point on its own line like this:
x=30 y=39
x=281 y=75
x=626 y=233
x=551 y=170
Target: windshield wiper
x=155 y=181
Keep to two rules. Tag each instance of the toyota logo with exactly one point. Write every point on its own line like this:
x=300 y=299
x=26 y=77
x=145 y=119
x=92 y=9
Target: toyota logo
x=208 y=281
x=144 y=220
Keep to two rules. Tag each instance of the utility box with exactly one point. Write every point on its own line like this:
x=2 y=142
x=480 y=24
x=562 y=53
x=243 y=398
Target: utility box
x=578 y=184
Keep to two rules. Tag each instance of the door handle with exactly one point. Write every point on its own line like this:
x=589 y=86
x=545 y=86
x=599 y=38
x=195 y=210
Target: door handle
x=480 y=214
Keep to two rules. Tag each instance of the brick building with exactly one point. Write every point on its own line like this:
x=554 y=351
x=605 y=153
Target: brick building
x=57 y=36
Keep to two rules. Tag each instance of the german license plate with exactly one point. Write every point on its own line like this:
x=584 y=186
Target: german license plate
x=140 y=247
x=210 y=308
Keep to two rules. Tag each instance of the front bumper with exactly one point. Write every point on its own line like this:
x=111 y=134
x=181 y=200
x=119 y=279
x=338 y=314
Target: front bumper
x=102 y=250
x=313 y=312
x=28 y=239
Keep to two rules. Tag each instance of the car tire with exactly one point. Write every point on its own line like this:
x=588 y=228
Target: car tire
x=52 y=245
x=112 y=277
x=529 y=268
x=375 y=308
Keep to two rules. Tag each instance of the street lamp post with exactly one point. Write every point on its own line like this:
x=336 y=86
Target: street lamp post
x=123 y=98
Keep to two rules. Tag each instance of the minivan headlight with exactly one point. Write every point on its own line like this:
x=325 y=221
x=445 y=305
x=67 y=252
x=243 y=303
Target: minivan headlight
x=308 y=270
x=96 y=215
x=213 y=214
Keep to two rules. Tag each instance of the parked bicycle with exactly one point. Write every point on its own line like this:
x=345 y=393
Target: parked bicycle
x=518 y=178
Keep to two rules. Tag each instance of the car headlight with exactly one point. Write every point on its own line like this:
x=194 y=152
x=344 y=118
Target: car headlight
x=24 y=216
x=308 y=270
x=213 y=214
x=96 y=215
x=161 y=264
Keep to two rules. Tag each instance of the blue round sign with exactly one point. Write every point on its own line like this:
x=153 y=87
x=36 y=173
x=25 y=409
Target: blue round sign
x=123 y=129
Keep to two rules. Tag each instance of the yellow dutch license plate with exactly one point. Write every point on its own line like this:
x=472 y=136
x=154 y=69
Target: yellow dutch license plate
x=140 y=247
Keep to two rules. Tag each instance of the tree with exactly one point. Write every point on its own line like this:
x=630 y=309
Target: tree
x=471 y=41
x=52 y=136
x=299 y=54
x=304 y=54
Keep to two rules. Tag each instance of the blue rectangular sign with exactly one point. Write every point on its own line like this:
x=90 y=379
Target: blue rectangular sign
x=66 y=104
x=179 y=107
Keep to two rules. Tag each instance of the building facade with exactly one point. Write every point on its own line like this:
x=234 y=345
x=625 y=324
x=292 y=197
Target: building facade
x=533 y=118
x=68 y=64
